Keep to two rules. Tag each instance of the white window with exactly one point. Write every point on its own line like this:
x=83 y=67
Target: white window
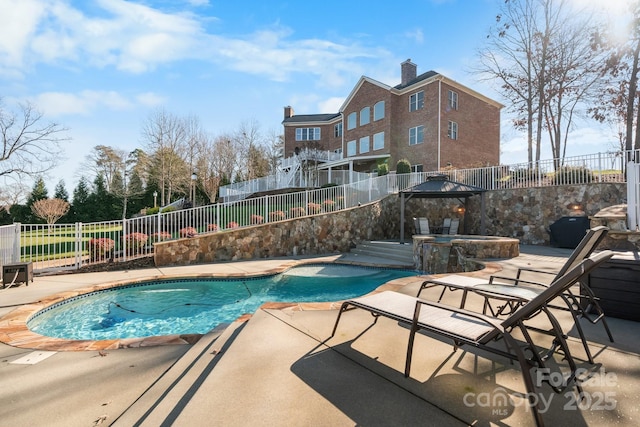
x=452 y=130
x=337 y=130
x=416 y=168
x=307 y=134
x=351 y=148
x=416 y=135
x=364 y=144
x=416 y=101
x=378 y=141
x=365 y=114
x=453 y=100
x=378 y=111
x=352 y=120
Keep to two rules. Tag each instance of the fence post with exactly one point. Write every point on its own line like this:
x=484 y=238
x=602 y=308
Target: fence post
x=78 y=245
x=16 y=242
x=124 y=239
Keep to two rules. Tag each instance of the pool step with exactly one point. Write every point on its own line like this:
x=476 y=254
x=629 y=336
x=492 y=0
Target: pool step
x=389 y=251
x=165 y=399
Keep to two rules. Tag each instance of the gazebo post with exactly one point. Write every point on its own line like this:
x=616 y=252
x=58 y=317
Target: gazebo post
x=483 y=225
x=402 y=218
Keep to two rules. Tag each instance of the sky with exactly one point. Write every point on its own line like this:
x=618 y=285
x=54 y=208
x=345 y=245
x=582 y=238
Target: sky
x=101 y=68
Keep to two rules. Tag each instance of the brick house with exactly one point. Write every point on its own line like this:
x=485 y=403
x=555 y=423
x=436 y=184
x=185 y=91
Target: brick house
x=428 y=119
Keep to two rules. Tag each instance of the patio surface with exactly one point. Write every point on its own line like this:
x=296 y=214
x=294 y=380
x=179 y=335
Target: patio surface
x=279 y=369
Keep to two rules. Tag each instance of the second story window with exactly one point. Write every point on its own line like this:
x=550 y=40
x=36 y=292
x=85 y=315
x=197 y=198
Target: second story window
x=351 y=148
x=378 y=141
x=337 y=130
x=308 y=134
x=416 y=101
x=364 y=144
x=378 y=111
x=416 y=135
x=453 y=100
x=364 y=116
x=452 y=130
x=352 y=120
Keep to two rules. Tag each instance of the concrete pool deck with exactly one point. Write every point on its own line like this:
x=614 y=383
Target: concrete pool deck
x=277 y=369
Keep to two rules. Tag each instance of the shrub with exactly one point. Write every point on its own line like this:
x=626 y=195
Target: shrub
x=572 y=175
x=188 y=232
x=135 y=242
x=403 y=166
x=169 y=209
x=383 y=169
x=232 y=224
x=152 y=211
x=101 y=249
x=159 y=237
x=329 y=185
x=256 y=219
x=340 y=202
x=277 y=215
x=212 y=227
x=525 y=174
x=297 y=212
x=314 y=208
x=329 y=205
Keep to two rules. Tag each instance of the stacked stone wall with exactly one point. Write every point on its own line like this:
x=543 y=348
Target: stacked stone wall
x=524 y=214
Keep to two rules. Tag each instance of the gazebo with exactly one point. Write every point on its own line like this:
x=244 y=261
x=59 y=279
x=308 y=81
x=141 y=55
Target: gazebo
x=440 y=187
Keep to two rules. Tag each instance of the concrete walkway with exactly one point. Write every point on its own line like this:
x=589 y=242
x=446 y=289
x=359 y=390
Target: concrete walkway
x=279 y=369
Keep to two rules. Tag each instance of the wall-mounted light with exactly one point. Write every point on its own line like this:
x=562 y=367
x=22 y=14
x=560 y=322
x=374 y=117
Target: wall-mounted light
x=459 y=209
x=574 y=206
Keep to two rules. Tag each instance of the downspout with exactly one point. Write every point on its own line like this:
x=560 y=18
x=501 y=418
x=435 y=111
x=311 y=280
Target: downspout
x=439 y=118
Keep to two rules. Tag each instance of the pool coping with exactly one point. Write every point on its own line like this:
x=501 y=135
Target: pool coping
x=14 y=331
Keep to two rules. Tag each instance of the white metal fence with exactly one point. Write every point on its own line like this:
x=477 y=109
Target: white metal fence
x=70 y=246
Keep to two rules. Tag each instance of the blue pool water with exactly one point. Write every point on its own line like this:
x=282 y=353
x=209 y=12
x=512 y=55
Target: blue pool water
x=187 y=306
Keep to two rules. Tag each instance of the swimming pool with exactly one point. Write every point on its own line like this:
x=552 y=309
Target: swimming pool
x=196 y=305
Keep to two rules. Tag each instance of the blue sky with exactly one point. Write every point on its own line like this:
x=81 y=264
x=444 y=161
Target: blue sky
x=101 y=68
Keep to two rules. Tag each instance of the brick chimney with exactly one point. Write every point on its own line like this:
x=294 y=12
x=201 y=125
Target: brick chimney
x=288 y=112
x=408 y=71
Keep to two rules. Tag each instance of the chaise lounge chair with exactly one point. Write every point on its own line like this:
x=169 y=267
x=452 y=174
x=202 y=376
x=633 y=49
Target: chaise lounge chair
x=421 y=225
x=514 y=291
x=475 y=330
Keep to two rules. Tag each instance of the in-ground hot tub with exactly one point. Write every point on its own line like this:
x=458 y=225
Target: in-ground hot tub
x=449 y=254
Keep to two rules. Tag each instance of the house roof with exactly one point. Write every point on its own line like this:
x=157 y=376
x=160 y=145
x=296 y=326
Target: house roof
x=438 y=186
x=418 y=79
x=301 y=118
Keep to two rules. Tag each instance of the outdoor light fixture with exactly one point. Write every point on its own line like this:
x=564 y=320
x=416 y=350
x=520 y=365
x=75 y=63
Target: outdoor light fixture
x=194 y=176
x=574 y=206
x=155 y=199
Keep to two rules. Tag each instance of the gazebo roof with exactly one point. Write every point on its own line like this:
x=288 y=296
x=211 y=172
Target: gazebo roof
x=438 y=186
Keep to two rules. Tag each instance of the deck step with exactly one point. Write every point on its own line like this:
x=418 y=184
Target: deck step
x=388 y=250
x=167 y=395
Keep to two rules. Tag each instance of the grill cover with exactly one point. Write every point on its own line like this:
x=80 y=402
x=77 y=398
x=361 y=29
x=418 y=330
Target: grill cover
x=568 y=231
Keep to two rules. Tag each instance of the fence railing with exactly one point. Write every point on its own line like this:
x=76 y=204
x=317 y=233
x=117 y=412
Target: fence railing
x=70 y=246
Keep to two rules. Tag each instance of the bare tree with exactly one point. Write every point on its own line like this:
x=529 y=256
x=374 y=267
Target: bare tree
x=545 y=65
x=29 y=146
x=166 y=136
x=620 y=83
x=50 y=210
x=106 y=161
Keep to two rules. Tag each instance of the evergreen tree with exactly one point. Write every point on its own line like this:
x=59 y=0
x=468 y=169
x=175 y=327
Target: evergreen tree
x=80 y=208
x=38 y=192
x=103 y=204
x=60 y=192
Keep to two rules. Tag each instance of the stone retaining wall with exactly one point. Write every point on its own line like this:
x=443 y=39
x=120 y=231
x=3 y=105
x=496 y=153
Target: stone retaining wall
x=524 y=214
x=319 y=234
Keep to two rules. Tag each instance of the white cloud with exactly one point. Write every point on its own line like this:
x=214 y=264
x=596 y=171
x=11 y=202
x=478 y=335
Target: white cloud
x=56 y=104
x=416 y=35
x=150 y=99
x=331 y=105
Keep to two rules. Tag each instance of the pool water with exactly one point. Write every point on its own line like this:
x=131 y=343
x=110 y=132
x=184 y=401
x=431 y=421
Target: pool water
x=195 y=306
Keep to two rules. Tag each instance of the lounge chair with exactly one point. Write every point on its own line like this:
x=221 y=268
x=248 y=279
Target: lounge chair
x=421 y=225
x=453 y=228
x=475 y=330
x=520 y=289
x=446 y=225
